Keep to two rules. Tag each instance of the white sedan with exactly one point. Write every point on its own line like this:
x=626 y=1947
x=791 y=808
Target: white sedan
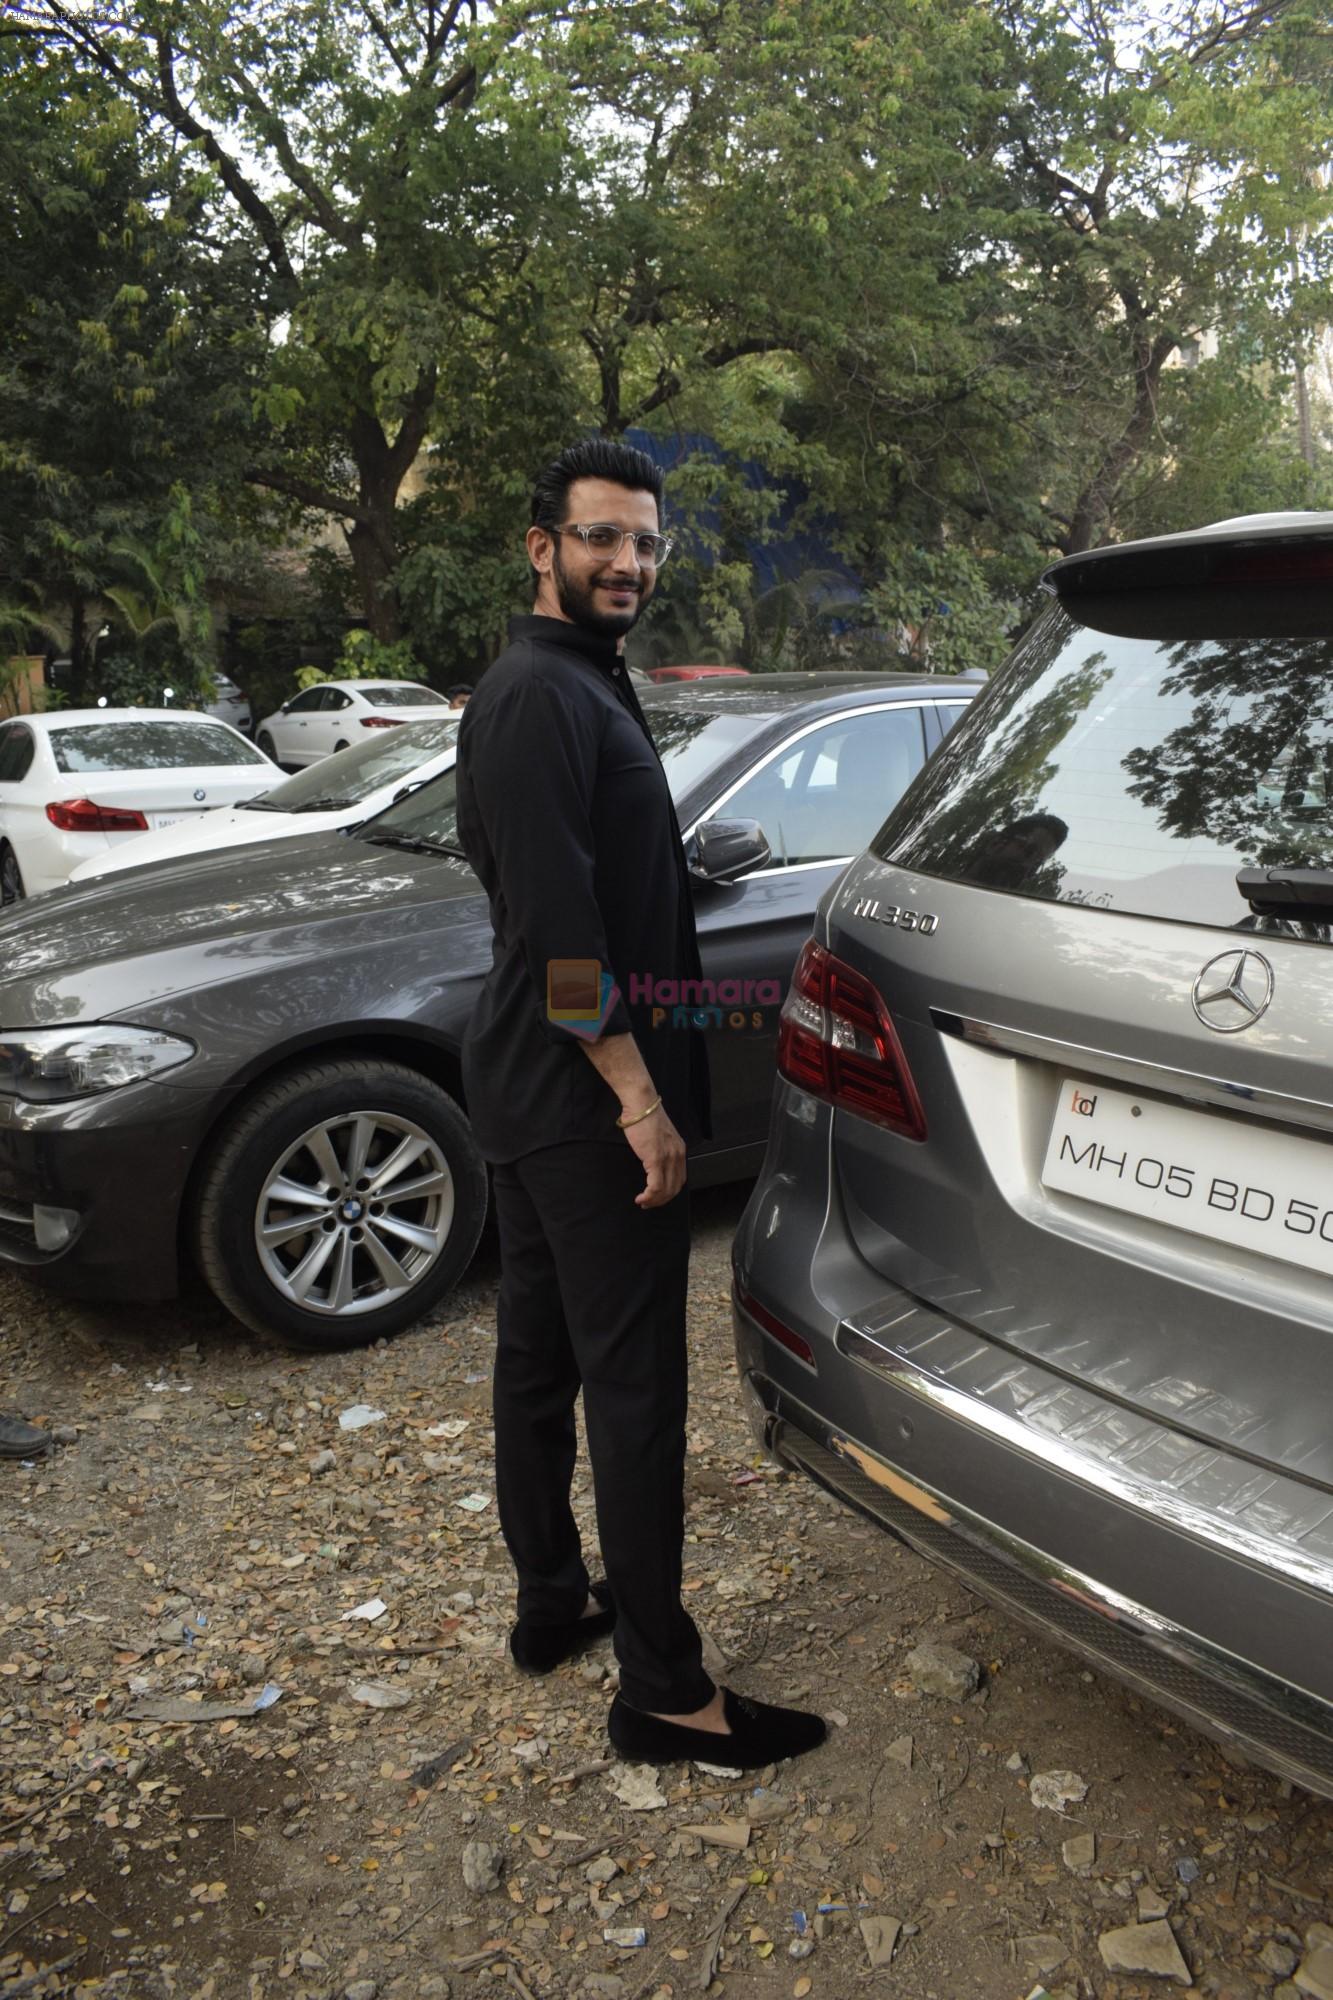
x=339 y=791
x=82 y=781
x=332 y=715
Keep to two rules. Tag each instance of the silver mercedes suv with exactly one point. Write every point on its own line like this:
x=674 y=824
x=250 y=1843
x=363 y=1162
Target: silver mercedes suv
x=1039 y=1269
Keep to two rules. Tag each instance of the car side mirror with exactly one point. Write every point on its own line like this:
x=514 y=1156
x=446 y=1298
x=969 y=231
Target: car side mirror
x=726 y=848
x=285 y=706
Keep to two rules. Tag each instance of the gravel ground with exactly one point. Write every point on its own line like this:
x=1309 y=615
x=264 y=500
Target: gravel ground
x=410 y=1817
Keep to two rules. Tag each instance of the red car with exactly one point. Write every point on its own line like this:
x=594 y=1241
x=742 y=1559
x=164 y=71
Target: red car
x=696 y=673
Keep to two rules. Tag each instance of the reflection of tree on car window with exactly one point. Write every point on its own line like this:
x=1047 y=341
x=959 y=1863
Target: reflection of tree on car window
x=1250 y=768
x=1014 y=856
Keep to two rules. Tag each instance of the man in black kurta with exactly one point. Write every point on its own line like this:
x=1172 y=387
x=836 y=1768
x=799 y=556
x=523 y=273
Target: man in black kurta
x=584 y=1111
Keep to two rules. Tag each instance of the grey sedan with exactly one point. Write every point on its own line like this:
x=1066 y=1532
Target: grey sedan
x=254 y=1060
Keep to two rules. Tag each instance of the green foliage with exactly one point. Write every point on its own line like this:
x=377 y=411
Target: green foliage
x=927 y=267
x=365 y=658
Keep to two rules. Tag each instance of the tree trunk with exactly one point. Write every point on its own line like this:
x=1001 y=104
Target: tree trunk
x=1093 y=506
x=375 y=569
x=1304 y=426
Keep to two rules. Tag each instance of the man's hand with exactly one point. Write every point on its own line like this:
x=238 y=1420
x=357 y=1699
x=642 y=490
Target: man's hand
x=662 y=1151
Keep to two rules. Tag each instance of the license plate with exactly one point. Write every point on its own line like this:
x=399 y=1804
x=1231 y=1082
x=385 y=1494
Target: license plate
x=1249 y=1187
x=169 y=819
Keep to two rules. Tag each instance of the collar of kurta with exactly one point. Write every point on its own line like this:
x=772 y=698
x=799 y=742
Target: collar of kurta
x=591 y=646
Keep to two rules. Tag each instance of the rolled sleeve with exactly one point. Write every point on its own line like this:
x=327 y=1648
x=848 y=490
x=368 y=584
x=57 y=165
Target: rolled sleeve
x=533 y=771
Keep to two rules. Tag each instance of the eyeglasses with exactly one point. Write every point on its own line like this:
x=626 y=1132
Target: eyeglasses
x=605 y=540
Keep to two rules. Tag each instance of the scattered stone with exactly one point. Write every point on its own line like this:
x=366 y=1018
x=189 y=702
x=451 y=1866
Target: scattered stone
x=1079 y=1852
x=943 y=1671
x=900 y=1751
x=1018 y=1764
x=1052 y=1791
x=1043 y=1951
x=1314 y=1974
x=800 y=1947
x=1150 y=1948
x=324 y=1461
x=64 y=1434
x=378 y=1694
x=482 y=1864
x=1279 y=1959
x=361 y=1989
x=1151 y=1906
x=636 y=1786
x=1187 y=1869
x=602 y=1986
x=881 y=1936
x=603 y=1869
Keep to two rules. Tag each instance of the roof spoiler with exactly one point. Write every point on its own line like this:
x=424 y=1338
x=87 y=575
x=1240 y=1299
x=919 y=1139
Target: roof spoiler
x=1291 y=549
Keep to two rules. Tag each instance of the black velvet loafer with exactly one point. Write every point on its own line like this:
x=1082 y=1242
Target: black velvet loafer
x=760 y=1734
x=539 y=1648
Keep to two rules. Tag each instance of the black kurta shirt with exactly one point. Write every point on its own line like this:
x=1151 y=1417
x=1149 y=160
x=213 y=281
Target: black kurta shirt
x=565 y=814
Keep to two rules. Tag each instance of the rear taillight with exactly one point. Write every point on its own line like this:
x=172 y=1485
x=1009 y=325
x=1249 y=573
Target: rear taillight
x=83 y=816
x=381 y=722
x=773 y=1326
x=836 y=1041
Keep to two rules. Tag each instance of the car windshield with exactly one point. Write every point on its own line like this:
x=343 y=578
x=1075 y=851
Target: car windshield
x=403 y=694
x=349 y=776
x=1134 y=758
x=692 y=742
x=689 y=744
x=149 y=746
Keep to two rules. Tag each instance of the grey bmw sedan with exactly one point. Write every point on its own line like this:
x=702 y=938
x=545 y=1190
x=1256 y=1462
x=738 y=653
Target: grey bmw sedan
x=251 y=1059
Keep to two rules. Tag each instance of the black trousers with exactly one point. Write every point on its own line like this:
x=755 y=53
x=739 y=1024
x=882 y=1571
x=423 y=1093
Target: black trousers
x=593 y=1295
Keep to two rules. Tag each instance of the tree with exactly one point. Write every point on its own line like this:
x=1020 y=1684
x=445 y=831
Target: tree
x=116 y=353
x=389 y=164
x=1160 y=165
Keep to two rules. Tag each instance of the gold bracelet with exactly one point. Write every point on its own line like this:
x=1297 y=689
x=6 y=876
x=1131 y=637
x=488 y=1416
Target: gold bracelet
x=623 y=1122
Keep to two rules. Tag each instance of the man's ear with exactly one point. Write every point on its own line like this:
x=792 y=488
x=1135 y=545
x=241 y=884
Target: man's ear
x=541 y=549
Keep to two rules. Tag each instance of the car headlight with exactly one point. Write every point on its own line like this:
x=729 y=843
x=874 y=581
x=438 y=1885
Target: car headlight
x=47 y=1065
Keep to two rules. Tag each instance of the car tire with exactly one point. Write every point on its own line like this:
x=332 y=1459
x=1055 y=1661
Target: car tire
x=265 y=746
x=340 y=746
x=11 y=876
x=302 y=1132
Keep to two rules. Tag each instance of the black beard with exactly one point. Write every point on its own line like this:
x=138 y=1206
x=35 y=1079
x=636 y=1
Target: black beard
x=579 y=604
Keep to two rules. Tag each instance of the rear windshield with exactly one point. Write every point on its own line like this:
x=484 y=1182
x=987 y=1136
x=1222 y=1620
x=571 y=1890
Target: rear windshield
x=149 y=746
x=353 y=774
x=1136 y=768
x=403 y=694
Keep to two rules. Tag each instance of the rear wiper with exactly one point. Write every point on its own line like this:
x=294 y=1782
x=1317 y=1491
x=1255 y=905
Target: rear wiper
x=1284 y=892
x=414 y=844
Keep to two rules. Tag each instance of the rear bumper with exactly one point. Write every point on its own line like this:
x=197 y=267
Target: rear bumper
x=1231 y=1630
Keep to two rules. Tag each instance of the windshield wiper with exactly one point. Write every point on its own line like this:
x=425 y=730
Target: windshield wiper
x=262 y=805
x=414 y=844
x=320 y=805
x=1285 y=892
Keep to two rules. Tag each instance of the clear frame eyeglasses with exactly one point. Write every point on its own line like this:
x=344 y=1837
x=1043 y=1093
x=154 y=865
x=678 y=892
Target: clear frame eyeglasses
x=605 y=540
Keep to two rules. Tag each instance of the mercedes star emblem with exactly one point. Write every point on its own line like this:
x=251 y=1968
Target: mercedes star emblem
x=1232 y=991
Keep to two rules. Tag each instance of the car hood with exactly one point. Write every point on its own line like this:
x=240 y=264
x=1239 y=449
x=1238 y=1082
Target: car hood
x=96 y=950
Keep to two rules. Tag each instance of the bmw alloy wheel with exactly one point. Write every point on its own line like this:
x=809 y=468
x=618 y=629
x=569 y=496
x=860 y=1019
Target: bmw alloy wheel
x=354 y=1214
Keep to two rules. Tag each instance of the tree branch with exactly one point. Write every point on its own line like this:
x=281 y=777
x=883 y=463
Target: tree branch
x=308 y=493
x=238 y=187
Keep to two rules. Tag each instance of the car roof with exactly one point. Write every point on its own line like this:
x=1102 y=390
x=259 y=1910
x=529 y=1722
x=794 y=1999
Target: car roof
x=372 y=680
x=779 y=694
x=61 y=718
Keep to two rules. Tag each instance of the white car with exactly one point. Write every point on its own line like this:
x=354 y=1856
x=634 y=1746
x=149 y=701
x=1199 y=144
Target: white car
x=229 y=704
x=82 y=781
x=332 y=715
x=340 y=791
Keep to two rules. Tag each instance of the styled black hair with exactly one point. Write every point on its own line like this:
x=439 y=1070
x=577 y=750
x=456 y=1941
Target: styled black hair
x=459 y=687
x=592 y=458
